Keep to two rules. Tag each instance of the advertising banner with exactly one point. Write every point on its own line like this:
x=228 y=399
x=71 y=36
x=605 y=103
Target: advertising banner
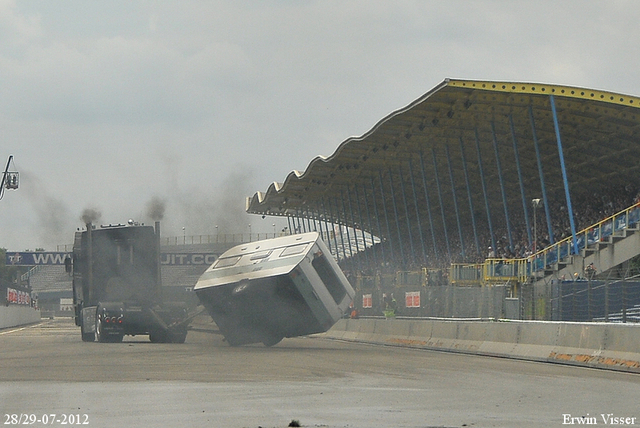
x=18 y=297
x=35 y=258
x=367 y=301
x=187 y=259
x=48 y=258
x=412 y=299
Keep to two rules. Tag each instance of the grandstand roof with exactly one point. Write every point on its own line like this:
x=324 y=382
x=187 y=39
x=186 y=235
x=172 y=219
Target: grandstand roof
x=467 y=131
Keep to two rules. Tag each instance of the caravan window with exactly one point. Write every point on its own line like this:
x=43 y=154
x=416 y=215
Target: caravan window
x=329 y=278
x=260 y=255
x=226 y=262
x=293 y=250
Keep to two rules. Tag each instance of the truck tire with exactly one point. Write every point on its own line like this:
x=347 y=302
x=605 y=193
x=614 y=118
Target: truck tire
x=178 y=336
x=158 y=337
x=88 y=337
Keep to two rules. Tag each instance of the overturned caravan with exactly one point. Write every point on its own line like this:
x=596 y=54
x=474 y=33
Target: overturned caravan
x=266 y=290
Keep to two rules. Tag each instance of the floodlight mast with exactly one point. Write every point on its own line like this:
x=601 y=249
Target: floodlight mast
x=9 y=178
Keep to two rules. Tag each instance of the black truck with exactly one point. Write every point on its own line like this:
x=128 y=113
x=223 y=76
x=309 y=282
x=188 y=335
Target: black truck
x=117 y=288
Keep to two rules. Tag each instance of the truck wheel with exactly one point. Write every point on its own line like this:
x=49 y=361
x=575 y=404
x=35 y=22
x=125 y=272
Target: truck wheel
x=178 y=336
x=158 y=337
x=88 y=337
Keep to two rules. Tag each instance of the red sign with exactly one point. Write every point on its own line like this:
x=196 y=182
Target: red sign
x=412 y=299
x=367 y=301
x=18 y=297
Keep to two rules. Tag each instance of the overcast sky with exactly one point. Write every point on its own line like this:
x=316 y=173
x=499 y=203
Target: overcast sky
x=110 y=104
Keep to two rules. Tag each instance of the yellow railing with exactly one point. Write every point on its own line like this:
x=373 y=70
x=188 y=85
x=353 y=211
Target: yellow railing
x=466 y=274
x=505 y=270
x=599 y=232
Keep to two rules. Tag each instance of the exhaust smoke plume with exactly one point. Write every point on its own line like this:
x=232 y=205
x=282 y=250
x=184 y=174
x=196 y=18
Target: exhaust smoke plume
x=52 y=213
x=156 y=208
x=90 y=215
x=217 y=209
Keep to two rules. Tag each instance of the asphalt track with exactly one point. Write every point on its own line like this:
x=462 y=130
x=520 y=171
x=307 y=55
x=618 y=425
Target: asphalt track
x=45 y=369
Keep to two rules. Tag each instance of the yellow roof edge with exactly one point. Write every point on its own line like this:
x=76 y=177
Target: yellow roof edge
x=548 y=89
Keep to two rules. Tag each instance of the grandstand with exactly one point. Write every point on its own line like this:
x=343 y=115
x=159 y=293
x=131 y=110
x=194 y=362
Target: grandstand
x=521 y=185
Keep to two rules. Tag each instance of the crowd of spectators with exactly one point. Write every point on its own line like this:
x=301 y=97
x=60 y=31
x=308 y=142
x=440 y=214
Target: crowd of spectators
x=587 y=211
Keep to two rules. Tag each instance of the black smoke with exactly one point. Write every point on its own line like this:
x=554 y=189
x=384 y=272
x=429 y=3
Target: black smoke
x=156 y=208
x=90 y=215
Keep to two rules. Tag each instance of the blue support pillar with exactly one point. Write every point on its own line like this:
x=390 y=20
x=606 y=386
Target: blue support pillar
x=289 y=223
x=339 y=223
x=547 y=209
x=386 y=216
x=426 y=197
x=484 y=192
x=366 y=205
x=406 y=213
x=565 y=180
x=502 y=190
x=361 y=224
x=417 y=209
x=326 y=226
x=397 y=218
x=471 y=210
x=300 y=224
x=525 y=205
x=375 y=209
x=309 y=221
x=333 y=228
x=353 y=220
x=455 y=202
x=302 y=219
x=346 y=226
x=441 y=199
x=320 y=227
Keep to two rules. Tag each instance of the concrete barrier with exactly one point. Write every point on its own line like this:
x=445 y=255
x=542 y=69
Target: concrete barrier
x=16 y=315
x=599 y=345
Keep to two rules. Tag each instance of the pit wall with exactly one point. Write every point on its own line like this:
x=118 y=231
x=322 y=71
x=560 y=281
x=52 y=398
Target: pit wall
x=16 y=315
x=597 y=345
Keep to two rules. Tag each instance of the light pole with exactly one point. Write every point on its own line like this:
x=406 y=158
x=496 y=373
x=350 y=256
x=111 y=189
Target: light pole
x=536 y=204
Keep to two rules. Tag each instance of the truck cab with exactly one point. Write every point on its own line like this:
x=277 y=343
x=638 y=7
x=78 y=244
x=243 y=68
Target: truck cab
x=116 y=286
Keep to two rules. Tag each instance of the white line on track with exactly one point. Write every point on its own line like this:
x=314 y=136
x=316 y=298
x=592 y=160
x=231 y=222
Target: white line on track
x=21 y=328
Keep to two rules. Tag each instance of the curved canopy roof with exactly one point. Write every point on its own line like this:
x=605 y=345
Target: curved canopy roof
x=426 y=173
